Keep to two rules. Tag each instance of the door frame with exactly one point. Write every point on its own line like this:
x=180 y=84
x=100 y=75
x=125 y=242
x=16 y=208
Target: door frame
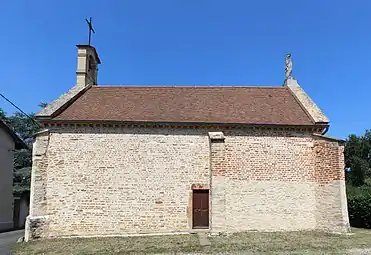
x=208 y=207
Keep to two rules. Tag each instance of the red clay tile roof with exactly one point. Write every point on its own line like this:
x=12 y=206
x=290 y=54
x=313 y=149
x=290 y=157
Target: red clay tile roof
x=244 y=105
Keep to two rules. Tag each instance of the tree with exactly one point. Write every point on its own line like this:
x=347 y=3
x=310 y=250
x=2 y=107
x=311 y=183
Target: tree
x=25 y=127
x=358 y=158
x=2 y=114
x=43 y=105
x=367 y=148
x=358 y=171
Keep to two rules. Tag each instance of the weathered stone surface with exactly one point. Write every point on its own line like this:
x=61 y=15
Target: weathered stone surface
x=36 y=227
x=118 y=181
x=216 y=135
x=332 y=211
x=39 y=174
x=87 y=63
x=62 y=100
x=314 y=111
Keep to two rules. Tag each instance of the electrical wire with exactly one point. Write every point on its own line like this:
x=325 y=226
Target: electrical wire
x=19 y=109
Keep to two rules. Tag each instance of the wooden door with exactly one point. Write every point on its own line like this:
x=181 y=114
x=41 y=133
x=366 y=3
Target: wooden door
x=200 y=209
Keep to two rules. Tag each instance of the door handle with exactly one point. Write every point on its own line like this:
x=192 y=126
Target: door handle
x=201 y=210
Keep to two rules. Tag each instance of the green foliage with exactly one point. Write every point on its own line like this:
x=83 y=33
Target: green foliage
x=25 y=127
x=2 y=114
x=22 y=159
x=359 y=171
x=22 y=172
x=359 y=206
x=358 y=158
x=43 y=105
x=22 y=180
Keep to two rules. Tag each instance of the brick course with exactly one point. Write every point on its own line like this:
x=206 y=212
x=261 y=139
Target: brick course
x=115 y=181
x=331 y=206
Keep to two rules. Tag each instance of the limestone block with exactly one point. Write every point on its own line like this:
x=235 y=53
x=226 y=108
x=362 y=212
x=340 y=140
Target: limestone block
x=35 y=227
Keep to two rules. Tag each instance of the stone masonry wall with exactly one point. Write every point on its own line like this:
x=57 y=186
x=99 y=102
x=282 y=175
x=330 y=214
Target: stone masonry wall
x=114 y=181
x=331 y=210
x=36 y=221
x=272 y=181
x=110 y=181
x=269 y=181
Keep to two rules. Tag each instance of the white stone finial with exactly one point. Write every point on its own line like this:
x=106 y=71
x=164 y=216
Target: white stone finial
x=288 y=67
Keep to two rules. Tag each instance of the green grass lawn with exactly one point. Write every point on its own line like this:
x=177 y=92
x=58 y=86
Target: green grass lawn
x=248 y=243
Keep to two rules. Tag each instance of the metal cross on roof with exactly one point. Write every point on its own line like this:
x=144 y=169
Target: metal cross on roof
x=90 y=28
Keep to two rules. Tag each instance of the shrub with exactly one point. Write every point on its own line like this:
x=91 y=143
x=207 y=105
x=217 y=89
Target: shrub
x=359 y=206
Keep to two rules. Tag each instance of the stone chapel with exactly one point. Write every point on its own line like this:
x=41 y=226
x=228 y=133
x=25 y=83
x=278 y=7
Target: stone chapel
x=136 y=160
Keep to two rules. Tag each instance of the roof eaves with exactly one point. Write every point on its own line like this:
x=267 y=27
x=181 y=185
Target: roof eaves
x=19 y=143
x=330 y=138
x=188 y=86
x=181 y=122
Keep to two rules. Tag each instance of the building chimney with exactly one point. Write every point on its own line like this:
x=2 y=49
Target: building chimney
x=87 y=65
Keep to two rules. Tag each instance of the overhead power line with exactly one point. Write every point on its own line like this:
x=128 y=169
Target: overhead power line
x=19 y=109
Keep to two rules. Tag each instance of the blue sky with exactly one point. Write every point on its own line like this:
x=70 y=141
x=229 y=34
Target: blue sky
x=203 y=42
